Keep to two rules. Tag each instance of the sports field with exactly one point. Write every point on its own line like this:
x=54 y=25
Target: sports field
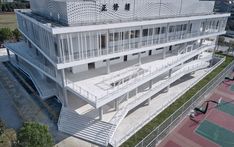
x=213 y=129
x=8 y=20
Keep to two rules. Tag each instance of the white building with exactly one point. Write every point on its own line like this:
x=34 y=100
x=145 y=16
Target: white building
x=103 y=59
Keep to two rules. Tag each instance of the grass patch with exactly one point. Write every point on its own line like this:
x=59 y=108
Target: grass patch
x=148 y=128
x=8 y=21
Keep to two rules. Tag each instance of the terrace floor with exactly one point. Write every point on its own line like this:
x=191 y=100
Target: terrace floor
x=99 y=84
x=129 y=123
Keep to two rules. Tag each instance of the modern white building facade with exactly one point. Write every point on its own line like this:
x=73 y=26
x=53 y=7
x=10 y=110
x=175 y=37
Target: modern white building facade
x=103 y=59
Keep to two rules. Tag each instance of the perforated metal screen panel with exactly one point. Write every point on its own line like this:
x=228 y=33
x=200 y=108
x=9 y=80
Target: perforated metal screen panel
x=102 y=11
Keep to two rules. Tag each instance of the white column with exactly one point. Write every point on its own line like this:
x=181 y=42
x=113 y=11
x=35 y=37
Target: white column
x=127 y=95
x=150 y=87
x=108 y=66
x=64 y=89
x=164 y=53
x=169 y=76
x=100 y=113
x=139 y=58
x=116 y=104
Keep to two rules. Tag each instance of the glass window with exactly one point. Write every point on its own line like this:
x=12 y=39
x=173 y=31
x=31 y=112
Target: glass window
x=137 y=33
x=163 y=30
x=116 y=36
x=150 y=31
x=145 y=32
x=126 y=35
x=111 y=35
x=184 y=27
x=157 y=31
x=171 y=29
x=132 y=34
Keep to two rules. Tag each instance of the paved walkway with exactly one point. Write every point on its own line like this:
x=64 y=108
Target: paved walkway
x=8 y=113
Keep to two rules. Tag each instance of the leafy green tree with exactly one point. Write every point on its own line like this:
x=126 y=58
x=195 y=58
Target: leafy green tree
x=16 y=34
x=5 y=34
x=33 y=134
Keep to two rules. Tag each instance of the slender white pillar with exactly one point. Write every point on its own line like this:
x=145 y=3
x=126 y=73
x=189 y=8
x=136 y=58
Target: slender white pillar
x=139 y=58
x=164 y=53
x=169 y=76
x=100 y=113
x=127 y=95
x=108 y=66
x=64 y=89
x=116 y=104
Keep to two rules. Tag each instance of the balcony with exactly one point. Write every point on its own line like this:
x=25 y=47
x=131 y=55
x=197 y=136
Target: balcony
x=101 y=89
x=131 y=47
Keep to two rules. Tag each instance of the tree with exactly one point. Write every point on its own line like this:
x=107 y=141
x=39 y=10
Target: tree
x=33 y=134
x=5 y=34
x=16 y=34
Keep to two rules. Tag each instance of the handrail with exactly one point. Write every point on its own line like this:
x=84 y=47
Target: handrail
x=158 y=40
x=147 y=74
x=220 y=75
x=139 y=77
x=141 y=98
x=165 y=105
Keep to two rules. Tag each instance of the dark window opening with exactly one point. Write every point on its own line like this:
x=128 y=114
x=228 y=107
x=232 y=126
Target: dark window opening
x=150 y=52
x=103 y=8
x=125 y=58
x=163 y=30
x=127 y=7
x=103 y=41
x=145 y=32
x=157 y=31
x=170 y=48
x=115 y=7
x=171 y=29
x=91 y=66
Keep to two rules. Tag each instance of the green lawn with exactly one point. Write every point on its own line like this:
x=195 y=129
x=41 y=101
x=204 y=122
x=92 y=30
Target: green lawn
x=8 y=20
x=143 y=132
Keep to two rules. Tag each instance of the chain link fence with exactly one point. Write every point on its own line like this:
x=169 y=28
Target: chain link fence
x=161 y=131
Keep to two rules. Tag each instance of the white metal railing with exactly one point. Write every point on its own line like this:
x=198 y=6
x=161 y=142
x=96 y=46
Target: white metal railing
x=150 y=72
x=35 y=78
x=81 y=91
x=139 y=77
x=145 y=95
x=130 y=46
x=164 y=106
x=20 y=49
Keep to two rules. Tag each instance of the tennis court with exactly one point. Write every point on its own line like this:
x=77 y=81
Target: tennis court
x=212 y=129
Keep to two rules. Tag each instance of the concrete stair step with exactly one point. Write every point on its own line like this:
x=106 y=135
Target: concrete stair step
x=89 y=129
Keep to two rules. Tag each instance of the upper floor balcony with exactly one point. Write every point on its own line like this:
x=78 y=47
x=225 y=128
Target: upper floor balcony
x=132 y=46
x=101 y=88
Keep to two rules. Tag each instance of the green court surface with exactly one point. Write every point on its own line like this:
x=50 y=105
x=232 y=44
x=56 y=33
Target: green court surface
x=226 y=107
x=215 y=133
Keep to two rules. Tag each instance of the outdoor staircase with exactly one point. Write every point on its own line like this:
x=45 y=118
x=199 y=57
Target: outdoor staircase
x=95 y=131
x=123 y=111
x=44 y=88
